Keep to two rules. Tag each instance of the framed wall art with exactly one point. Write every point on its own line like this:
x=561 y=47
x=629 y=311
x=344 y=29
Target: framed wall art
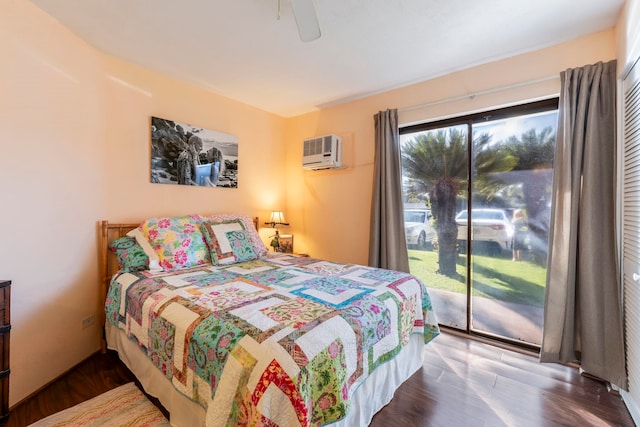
x=183 y=154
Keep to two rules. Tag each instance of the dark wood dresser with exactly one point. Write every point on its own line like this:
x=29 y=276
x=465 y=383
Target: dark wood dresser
x=5 y=331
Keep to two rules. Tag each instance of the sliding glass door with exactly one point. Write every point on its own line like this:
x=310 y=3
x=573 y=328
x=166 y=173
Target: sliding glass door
x=485 y=183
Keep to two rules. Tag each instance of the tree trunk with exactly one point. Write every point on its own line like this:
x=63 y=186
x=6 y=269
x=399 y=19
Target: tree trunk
x=443 y=208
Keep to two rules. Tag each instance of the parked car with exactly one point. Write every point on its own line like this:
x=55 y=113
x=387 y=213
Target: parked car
x=417 y=227
x=492 y=226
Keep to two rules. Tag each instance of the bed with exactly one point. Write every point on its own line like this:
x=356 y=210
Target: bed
x=224 y=332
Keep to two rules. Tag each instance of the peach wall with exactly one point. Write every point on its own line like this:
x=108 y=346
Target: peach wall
x=75 y=150
x=133 y=96
x=330 y=210
x=52 y=185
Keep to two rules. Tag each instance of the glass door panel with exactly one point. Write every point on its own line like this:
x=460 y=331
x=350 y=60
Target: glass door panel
x=435 y=170
x=510 y=213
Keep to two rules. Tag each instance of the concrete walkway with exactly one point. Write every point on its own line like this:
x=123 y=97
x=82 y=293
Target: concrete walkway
x=516 y=321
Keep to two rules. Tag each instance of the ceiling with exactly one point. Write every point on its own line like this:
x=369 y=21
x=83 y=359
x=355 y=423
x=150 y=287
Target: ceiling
x=241 y=50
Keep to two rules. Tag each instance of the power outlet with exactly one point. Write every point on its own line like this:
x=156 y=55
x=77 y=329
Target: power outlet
x=88 y=321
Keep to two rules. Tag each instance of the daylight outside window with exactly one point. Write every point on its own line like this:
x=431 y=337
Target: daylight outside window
x=484 y=181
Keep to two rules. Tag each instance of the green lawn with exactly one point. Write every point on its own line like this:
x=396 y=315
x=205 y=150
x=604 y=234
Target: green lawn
x=493 y=277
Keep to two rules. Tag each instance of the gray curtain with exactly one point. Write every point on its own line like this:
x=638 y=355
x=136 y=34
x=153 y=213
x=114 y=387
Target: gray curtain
x=387 y=244
x=583 y=315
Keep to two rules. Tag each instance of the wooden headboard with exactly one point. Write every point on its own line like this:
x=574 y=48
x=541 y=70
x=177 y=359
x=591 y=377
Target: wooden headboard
x=109 y=265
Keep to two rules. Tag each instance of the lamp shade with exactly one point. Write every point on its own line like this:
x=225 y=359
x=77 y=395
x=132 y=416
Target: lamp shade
x=277 y=217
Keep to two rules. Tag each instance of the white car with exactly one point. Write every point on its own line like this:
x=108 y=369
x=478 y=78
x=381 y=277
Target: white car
x=487 y=225
x=417 y=227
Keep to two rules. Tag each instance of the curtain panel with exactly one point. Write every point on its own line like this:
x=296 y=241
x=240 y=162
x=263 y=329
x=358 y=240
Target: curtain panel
x=387 y=242
x=583 y=310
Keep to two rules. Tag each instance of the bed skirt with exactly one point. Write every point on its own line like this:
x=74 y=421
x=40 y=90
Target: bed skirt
x=372 y=395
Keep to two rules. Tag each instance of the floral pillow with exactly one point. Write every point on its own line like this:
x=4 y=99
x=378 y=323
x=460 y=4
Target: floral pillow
x=130 y=255
x=228 y=241
x=177 y=240
x=241 y=245
x=258 y=245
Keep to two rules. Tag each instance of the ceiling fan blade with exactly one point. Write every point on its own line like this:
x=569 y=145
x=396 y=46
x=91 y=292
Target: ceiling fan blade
x=305 y=15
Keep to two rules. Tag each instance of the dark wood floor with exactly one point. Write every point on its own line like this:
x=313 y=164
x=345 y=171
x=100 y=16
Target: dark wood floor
x=468 y=383
x=463 y=383
x=98 y=374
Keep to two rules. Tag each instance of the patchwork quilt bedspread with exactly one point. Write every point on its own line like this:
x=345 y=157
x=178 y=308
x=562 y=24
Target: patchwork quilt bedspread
x=283 y=340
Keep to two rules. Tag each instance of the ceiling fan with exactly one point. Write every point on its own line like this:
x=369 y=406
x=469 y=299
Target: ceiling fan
x=306 y=19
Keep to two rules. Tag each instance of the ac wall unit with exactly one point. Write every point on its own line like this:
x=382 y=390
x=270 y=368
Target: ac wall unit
x=322 y=152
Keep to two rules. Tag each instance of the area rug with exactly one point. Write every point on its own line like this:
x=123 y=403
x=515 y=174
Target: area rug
x=122 y=406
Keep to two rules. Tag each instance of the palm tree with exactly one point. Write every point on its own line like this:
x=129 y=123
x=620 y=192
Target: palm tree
x=528 y=183
x=438 y=161
x=532 y=149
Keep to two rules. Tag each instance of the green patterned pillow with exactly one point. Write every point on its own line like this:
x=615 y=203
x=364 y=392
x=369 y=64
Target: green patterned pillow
x=242 y=245
x=130 y=255
x=215 y=236
x=228 y=241
x=247 y=224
